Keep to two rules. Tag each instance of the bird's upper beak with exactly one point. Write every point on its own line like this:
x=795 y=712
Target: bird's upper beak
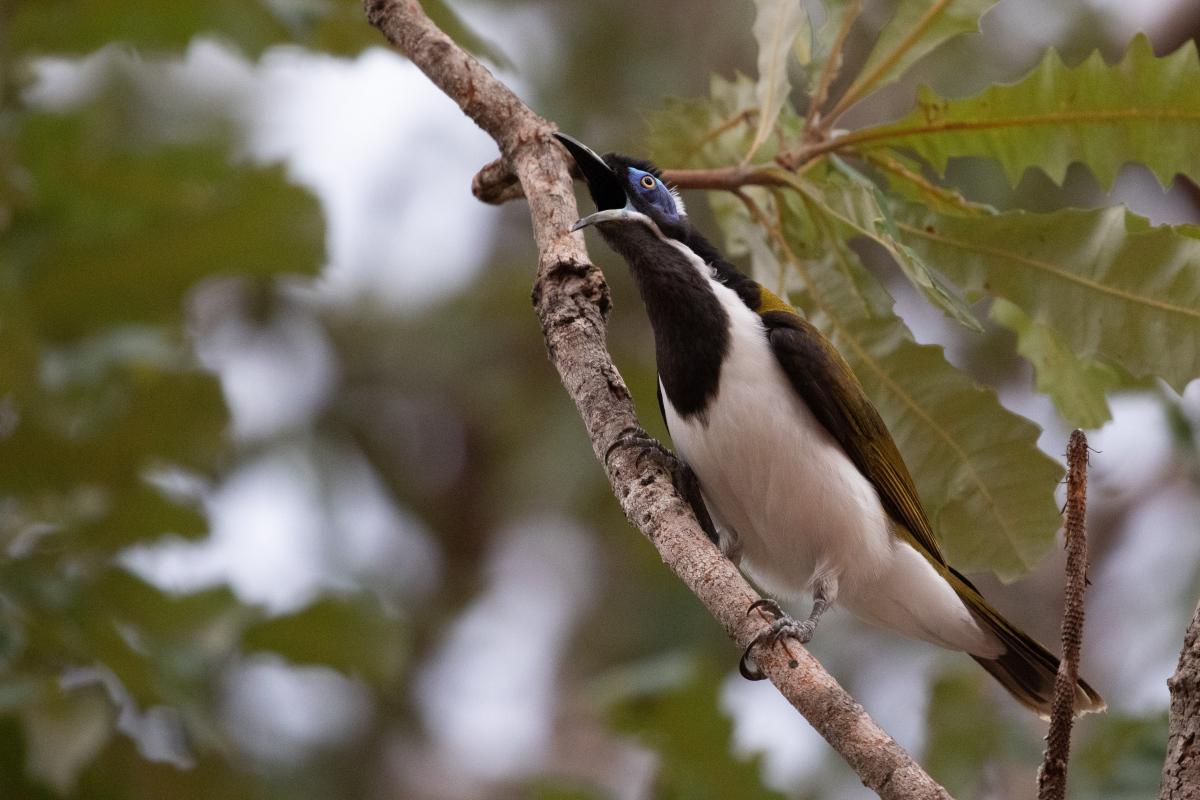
x=605 y=185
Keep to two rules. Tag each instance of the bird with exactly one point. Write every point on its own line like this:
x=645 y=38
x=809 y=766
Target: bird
x=799 y=480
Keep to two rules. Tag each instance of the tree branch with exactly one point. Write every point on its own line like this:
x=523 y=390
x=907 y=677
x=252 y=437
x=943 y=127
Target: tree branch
x=571 y=299
x=1181 y=771
x=1052 y=778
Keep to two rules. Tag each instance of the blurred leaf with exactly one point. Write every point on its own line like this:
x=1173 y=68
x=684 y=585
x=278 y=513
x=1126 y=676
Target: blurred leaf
x=777 y=29
x=1104 y=280
x=988 y=489
x=117 y=235
x=859 y=208
x=551 y=789
x=965 y=735
x=340 y=27
x=163 y=647
x=716 y=131
x=916 y=28
x=80 y=462
x=68 y=26
x=693 y=740
x=445 y=17
x=64 y=731
x=43 y=27
x=352 y=635
x=1118 y=757
x=1142 y=109
x=13 y=777
x=1076 y=386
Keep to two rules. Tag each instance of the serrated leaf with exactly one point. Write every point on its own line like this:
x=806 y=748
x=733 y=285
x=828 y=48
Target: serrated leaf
x=1077 y=386
x=1143 y=109
x=987 y=487
x=351 y=635
x=1106 y=281
x=915 y=29
x=776 y=28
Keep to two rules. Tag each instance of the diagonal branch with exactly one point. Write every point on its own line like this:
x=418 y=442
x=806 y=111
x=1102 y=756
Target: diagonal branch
x=571 y=299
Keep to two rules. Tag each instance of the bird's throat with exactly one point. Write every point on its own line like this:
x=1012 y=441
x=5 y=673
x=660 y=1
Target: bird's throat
x=691 y=329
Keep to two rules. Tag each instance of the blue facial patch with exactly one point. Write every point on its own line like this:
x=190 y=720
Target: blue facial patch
x=654 y=192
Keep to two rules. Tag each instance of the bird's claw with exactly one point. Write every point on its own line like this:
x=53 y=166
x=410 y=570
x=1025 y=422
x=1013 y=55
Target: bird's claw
x=636 y=436
x=781 y=626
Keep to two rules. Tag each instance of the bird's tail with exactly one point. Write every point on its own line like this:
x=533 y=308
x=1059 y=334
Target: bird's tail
x=1026 y=669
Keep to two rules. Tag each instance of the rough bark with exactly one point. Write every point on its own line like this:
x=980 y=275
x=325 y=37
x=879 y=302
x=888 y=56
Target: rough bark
x=1181 y=771
x=571 y=299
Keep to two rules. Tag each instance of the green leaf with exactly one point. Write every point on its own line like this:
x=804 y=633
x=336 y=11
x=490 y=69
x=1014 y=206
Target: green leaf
x=1120 y=757
x=916 y=28
x=64 y=731
x=715 y=131
x=965 y=733
x=1109 y=284
x=66 y=26
x=1077 y=386
x=987 y=487
x=777 y=27
x=352 y=635
x=904 y=177
x=696 y=758
x=859 y=208
x=118 y=235
x=1143 y=109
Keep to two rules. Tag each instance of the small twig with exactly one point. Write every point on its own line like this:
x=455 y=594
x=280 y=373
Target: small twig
x=1052 y=778
x=814 y=127
x=495 y=184
x=742 y=116
x=724 y=178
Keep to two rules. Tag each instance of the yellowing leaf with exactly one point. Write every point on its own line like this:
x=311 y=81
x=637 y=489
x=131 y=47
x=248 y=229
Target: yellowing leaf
x=776 y=28
x=1143 y=109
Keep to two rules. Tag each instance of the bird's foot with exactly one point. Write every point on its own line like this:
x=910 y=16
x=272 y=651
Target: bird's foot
x=635 y=436
x=782 y=626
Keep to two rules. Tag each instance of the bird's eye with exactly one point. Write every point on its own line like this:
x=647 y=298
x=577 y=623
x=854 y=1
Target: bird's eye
x=648 y=181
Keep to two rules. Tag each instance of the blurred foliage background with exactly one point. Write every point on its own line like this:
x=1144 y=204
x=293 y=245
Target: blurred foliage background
x=292 y=504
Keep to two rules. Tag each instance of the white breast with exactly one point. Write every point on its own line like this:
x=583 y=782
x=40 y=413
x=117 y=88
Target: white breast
x=776 y=481
x=774 y=477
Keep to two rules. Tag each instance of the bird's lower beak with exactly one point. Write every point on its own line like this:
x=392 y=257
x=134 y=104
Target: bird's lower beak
x=607 y=215
x=604 y=184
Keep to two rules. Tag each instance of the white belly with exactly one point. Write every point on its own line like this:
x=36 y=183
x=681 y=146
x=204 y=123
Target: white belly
x=776 y=481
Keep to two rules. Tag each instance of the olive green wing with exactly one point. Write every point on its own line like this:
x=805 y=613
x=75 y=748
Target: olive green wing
x=828 y=386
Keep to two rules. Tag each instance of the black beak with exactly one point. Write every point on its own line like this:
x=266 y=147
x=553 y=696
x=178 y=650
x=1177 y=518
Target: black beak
x=604 y=184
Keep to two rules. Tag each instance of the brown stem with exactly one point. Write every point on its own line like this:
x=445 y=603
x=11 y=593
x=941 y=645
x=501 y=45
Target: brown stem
x=1052 y=778
x=1181 y=771
x=571 y=299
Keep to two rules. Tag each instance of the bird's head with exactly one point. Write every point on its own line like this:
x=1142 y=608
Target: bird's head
x=625 y=190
